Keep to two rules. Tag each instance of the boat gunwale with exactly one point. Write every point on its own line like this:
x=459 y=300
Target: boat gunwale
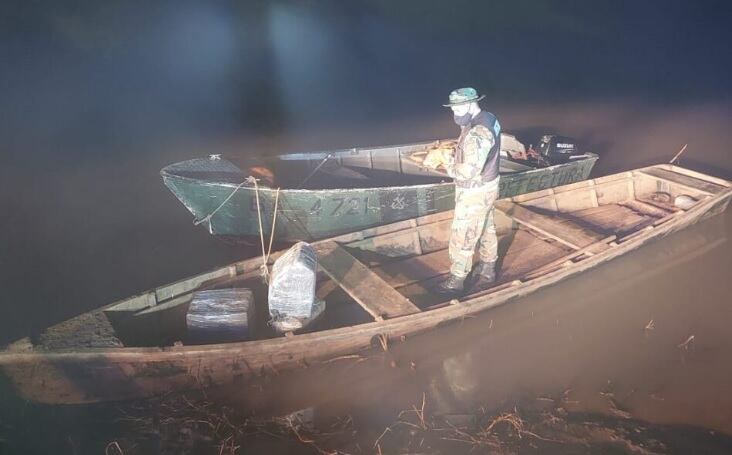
x=166 y=174
x=403 y=325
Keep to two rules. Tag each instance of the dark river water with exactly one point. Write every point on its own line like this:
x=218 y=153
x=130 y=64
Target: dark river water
x=97 y=97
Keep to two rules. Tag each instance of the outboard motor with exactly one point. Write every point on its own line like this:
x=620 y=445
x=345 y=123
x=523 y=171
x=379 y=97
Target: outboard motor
x=558 y=149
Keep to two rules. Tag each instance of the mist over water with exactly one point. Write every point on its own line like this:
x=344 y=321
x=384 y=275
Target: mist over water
x=615 y=332
x=96 y=97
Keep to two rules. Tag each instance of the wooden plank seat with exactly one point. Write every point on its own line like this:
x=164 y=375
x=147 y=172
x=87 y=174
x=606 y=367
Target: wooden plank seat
x=418 y=268
x=568 y=233
x=683 y=180
x=369 y=290
x=618 y=218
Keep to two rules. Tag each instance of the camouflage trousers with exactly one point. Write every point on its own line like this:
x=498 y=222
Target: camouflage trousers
x=473 y=222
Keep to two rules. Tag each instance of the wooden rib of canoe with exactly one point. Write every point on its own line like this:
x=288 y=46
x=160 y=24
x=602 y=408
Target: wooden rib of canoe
x=377 y=284
x=325 y=194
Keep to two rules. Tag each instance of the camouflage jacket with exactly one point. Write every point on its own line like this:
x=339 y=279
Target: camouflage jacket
x=476 y=156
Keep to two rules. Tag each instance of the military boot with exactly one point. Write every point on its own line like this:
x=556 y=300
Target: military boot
x=484 y=274
x=452 y=286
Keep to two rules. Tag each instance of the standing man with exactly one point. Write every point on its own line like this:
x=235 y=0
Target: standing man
x=474 y=167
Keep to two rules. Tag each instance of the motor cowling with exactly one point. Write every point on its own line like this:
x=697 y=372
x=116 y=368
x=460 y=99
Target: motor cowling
x=558 y=149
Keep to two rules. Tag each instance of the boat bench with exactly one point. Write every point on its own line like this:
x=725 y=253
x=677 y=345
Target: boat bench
x=367 y=288
x=570 y=234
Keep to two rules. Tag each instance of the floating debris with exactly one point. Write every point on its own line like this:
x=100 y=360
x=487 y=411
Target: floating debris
x=685 y=344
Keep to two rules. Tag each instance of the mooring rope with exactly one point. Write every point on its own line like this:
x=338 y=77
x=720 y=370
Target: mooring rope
x=265 y=272
x=208 y=217
x=263 y=269
x=316 y=169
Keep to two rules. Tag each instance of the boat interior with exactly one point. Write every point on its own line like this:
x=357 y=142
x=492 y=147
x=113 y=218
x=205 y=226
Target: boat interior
x=391 y=270
x=352 y=168
x=365 y=168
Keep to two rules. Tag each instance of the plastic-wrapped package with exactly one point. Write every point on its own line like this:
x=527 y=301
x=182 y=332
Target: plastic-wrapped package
x=284 y=324
x=292 y=286
x=292 y=282
x=220 y=315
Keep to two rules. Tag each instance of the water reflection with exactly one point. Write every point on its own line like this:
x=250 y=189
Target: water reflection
x=586 y=344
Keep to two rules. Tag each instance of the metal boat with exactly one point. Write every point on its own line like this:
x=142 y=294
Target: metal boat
x=322 y=194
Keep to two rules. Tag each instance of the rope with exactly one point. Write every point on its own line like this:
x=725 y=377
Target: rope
x=271 y=235
x=264 y=271
x=263 y=268
x=265 y=255
x=316 y=169
x=676 y=157
x=207 y=218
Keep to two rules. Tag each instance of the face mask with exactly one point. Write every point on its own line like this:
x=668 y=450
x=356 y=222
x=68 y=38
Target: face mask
x=462 y=120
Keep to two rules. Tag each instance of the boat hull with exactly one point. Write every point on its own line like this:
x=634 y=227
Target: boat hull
x=116 y=373
x=230 y=209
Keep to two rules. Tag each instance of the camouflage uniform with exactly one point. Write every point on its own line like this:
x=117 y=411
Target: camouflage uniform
x=473 y=218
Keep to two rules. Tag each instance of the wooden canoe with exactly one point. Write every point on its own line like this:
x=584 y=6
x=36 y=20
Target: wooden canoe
x=330 y=193
x=376 y=283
